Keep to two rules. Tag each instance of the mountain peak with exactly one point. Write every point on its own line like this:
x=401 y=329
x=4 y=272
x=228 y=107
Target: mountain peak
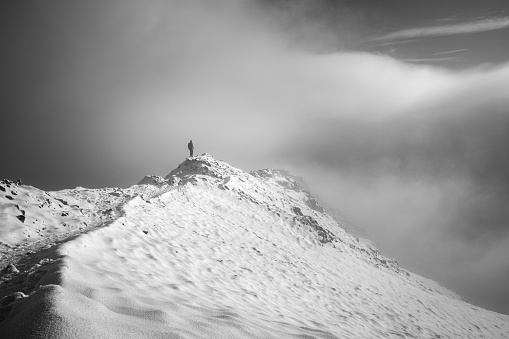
x=203 y=164
x=259 y=185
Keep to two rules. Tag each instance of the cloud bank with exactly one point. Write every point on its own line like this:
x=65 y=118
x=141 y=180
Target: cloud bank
x=413 y=154
x=416 y=156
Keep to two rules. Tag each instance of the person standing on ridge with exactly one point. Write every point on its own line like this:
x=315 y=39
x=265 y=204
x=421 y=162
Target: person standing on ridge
x=190 y=146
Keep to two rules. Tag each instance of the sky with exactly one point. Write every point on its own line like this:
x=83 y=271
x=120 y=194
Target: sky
x=396 y=112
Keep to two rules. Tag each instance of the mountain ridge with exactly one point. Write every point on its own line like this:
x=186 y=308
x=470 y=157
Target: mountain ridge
x=211 y=251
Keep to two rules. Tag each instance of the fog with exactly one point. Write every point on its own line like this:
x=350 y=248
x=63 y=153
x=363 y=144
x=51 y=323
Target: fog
x=107 y=92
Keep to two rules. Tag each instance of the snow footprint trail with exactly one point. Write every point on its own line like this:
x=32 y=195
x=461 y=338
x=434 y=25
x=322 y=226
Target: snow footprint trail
x=168 y=271
x=88 y=208
x=37 y=262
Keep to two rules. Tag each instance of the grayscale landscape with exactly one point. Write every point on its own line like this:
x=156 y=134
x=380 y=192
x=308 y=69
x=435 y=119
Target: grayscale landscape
x=254 y=169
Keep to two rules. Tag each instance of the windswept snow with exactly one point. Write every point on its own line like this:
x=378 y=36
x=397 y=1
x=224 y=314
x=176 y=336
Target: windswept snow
x=211 y=251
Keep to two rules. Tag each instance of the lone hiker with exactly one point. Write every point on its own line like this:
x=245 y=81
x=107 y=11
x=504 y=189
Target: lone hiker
x=190 y=146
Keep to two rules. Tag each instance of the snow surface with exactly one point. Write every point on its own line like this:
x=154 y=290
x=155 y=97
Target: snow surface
x=209 y=251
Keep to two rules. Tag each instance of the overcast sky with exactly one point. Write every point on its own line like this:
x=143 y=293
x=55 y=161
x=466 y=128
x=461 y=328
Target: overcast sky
x=396 y=112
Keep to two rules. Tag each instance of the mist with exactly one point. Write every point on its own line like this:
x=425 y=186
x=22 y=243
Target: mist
x=414 y=154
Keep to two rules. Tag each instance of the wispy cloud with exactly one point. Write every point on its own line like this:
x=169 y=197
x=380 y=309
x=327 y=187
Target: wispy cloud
x=439 y=57
x=487 y=24
x=450 y=52
x=429 y=60
x=378 y=43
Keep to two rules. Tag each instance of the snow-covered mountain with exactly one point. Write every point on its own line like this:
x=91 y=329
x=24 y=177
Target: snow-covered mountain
x=209 y=251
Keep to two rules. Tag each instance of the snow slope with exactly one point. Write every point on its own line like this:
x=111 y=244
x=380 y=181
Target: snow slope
x=211 y=251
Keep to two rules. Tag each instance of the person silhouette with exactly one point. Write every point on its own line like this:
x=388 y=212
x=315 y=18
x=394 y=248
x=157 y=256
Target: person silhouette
x=190 y=146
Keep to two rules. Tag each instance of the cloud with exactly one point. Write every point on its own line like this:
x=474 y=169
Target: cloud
x=453 y=51
x=429 y=60
x=414 y=154
x=418 y=161
x=436 y=58
x=483 y=25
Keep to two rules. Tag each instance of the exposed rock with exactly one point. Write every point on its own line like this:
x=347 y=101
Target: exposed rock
x=11 y=269
x=10 y=298
x=62 y=201
x=6 y=182
x=297 y=211
x=155 y=180
x=203 y=165
x=324 y=236
x=313 y=204
x=290 y=182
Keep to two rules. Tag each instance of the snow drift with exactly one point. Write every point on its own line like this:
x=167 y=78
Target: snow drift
x=208 y=251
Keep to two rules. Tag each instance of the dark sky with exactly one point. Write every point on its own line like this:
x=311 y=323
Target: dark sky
x=396 y=112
